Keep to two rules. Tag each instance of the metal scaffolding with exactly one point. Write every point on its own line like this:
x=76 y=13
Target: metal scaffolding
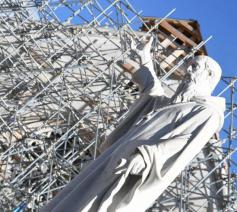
x=62 y=93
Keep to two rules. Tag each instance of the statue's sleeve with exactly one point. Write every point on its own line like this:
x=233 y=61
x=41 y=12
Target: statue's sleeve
x=147 y=80
x=190 y=134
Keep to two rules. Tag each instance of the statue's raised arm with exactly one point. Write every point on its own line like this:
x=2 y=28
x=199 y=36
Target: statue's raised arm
x=143 y=73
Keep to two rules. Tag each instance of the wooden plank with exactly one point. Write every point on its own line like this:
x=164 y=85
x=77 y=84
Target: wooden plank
x=187 y=26
x=177 y=33
x=126 y=67
x=165 y=43
x=172 y=44
x=171 y=58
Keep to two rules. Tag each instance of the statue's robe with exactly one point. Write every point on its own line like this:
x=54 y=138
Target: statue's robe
x=167 y=136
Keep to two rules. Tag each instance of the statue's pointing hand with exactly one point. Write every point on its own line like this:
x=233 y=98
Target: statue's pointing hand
x=135 y=166
x=142 y=49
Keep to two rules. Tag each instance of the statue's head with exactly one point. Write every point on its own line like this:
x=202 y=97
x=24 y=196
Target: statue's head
x=203 y=74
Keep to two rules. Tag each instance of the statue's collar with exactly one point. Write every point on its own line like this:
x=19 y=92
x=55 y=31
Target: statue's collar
x=217 y=102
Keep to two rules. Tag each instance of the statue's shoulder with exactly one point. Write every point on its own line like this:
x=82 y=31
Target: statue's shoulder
x=212 y=103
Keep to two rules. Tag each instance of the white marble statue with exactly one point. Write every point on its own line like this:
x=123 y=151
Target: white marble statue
x=149 y=148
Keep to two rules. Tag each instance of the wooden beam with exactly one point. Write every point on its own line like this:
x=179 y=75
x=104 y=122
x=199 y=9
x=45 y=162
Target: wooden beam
x=189 y=28
x=177 y=33
x=126 y=67
x=186 y=25
x=171 y=58
x=164 y=39
x=165 y=43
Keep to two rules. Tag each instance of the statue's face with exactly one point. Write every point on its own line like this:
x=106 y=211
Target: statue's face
x=202 y=75
x=198 y=68
x=198 y=73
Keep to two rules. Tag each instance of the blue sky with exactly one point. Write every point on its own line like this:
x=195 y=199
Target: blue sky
x=216 y=17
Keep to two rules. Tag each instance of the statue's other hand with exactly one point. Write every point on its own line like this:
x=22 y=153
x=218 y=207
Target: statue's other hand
x=136 y=165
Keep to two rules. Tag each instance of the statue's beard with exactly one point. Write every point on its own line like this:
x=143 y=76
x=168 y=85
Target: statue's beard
x=200 y=80
x=185 y=92
x=198 y=83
